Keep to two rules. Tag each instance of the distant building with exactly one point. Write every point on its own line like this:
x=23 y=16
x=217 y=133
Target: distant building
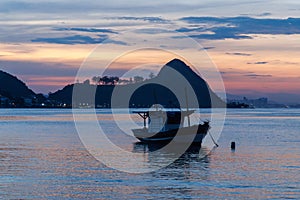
x=257 y=103
x=4 y=101
x=28 y=102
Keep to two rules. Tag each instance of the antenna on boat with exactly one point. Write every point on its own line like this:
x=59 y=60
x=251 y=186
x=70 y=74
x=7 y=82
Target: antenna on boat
x=155 y=100
x=187 y=107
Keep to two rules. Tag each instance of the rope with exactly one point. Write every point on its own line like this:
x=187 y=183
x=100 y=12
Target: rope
x=213 y=139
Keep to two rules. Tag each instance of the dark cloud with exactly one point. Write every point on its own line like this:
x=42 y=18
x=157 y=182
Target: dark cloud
x=207 y=48
x=241 y=27
x=285 y=62
x=149 y=19
x=76 y=39
x=258 y=63
x=152 y=31
x=219 y=33
x=79 y=39
x=264 y=14
x=241 y=76
x=239 y=54
x=219 y=36
x=187 y=30
x=241 y=73
x=89 y=30
x=258 y=75
x=111 y=41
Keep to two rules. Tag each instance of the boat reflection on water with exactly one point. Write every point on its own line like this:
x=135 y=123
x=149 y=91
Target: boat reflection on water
x=194 y=154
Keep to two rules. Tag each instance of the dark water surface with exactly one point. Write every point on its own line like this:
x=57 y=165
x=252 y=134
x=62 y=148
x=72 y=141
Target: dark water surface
x=41 y=157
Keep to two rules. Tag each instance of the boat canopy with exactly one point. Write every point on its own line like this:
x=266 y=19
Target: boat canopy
x=159 y=120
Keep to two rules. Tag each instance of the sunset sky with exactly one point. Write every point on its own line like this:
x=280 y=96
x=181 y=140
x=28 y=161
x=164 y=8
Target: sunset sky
x=254 y=44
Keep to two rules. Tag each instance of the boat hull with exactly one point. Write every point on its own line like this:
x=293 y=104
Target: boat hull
x=193 y=134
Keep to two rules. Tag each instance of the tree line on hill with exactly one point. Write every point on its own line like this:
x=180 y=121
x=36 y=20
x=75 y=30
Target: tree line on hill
x=115 y=80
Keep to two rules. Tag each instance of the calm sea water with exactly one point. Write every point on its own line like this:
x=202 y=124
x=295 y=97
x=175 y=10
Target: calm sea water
x=41 y=157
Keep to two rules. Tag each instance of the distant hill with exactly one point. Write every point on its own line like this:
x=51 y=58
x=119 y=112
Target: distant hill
x=145 y=93
x=12 y=87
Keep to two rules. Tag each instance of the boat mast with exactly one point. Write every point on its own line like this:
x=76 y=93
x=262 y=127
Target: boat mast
x=187 y=107
x=144 y=116
x=155 y=100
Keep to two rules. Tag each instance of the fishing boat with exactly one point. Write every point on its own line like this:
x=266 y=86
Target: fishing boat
x=166 y=126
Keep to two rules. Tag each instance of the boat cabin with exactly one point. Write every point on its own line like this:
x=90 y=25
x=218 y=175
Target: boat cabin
x=161 y=121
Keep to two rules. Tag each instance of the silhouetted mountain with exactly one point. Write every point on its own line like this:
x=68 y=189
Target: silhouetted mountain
x=12 y=87
x=175 y=82
x=204 y=94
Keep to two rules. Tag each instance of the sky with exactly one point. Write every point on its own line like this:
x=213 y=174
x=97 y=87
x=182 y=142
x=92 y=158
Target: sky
x=253 y=44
